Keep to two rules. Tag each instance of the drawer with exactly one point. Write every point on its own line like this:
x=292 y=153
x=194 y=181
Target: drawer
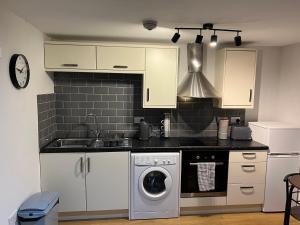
x=247 y=172
x=120 y=58
x=245 y=194
x=248 y=156
x=67 y=56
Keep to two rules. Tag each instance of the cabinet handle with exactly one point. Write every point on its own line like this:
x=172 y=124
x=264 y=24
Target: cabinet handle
x=250 y=97
x=70 y=65
x=148 y=95
x=88 y=165
x=248 y=155
x=81 y=164
x=120 y=67
x=248 y=168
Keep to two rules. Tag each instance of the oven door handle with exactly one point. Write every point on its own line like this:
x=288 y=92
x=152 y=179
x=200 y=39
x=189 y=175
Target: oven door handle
x=217 y=163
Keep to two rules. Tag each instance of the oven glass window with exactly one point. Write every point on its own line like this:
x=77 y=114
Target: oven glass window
x=154 y=182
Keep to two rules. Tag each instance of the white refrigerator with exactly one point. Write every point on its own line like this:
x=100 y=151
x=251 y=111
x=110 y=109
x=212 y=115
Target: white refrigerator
x=283 y=158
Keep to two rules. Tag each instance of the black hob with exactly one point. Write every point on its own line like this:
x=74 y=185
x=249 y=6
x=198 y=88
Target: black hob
x=188 y=142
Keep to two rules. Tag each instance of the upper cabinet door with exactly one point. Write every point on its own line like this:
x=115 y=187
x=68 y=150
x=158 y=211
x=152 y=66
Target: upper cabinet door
x=160 y=79
x=239 y=80
x=118 y=58
x=70 y=57
x=235 y=77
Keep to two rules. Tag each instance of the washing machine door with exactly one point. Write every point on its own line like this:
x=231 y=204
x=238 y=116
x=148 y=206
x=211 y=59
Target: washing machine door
x=155 y=183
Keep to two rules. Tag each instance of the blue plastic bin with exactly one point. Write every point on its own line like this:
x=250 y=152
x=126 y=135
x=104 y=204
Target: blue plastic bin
x=39 y=209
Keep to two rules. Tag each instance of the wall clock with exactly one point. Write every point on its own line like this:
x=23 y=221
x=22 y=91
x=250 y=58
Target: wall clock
x=19 y=71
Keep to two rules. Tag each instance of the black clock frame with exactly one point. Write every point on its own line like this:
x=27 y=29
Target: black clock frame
x=12 y=71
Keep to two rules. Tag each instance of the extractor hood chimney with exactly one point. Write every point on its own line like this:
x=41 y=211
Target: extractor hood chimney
x=195 y=84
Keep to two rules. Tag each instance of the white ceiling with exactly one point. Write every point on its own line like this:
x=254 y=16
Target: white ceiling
x=264 y=22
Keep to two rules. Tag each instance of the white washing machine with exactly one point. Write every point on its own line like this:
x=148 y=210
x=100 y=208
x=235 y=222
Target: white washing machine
x=154 y=185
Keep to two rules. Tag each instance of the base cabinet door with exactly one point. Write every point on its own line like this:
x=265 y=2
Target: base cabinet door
x=107 y=180
x=160 y=79
x=64 y=173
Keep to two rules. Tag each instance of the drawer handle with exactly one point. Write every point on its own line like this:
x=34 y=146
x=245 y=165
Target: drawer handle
x=248 y=168
x=249 y=155
x=70 y=65
x=247 y=189
x=120 y=67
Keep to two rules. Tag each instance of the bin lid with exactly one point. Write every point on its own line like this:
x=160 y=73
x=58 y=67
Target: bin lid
x=38 y=204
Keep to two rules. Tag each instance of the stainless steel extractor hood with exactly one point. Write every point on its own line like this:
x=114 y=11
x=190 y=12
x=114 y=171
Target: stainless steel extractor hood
x=195 y=84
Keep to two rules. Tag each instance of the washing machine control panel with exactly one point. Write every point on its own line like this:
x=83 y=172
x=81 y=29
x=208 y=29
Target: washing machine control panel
x=154 y=160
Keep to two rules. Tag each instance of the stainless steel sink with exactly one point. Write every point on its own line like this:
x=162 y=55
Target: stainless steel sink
x=74 y=142
x=91 y=143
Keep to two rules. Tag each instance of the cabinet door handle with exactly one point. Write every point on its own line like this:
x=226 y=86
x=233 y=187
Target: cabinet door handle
x=249 y=155
x=70 y=65
x=88 y=165
x=81 y=164
x=120 y=67
x=148 y=94
x=250 y=97
x=248 y=168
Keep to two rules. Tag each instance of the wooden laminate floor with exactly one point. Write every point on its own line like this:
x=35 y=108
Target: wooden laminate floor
x=220 y=219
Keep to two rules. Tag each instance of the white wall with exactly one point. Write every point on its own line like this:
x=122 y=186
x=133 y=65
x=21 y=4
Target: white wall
x=289 y=85
x=19 y=167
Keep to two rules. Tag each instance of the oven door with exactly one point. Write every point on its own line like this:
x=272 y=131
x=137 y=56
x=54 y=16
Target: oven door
x=189 y=178
x=155 y=183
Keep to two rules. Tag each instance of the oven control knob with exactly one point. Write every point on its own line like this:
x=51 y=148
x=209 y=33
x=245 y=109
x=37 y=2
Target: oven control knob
x=155 y=161
x=213 y=157
x=197 y=157
x=169 y=161
x=164 y=161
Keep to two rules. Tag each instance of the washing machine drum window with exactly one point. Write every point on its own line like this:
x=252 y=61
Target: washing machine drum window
x=155 y=183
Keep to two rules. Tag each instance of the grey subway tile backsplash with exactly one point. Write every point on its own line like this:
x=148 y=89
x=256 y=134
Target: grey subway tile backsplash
x=46 y=118
x=115 y=99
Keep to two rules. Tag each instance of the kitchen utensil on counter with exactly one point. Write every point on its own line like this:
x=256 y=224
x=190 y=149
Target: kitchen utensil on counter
x=145 y=130
x=223 y=123
x=166 y=125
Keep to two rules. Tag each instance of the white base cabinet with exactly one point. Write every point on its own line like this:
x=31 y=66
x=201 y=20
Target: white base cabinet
x=246 y=178
x=107 y=181
x=87 y=181
x=64 y=173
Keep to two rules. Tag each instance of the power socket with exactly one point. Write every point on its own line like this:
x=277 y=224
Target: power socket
x=13 y=219
x=234 y=119
x=137 y=119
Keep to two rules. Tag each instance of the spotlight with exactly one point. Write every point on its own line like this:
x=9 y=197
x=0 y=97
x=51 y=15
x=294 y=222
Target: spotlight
x=175 y=37
x=213 y=40
x=238 y=40
x=199 y=38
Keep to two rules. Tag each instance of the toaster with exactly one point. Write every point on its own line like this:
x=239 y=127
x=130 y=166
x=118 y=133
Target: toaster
x=240 y=133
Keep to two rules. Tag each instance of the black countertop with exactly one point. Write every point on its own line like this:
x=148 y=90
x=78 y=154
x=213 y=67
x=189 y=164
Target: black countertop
x=169 y=145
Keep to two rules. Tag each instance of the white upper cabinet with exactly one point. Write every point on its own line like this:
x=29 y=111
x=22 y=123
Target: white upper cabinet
x=160 y=79
x=120 y=58
x=235 y=77
x=65 y=57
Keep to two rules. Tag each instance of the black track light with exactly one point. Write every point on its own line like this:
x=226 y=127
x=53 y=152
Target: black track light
x=176 y=37
x=199 y=38
x=213 y=40
x=238 y=40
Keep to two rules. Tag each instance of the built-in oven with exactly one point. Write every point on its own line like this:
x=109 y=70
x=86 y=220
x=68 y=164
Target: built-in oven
x=189 y=173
